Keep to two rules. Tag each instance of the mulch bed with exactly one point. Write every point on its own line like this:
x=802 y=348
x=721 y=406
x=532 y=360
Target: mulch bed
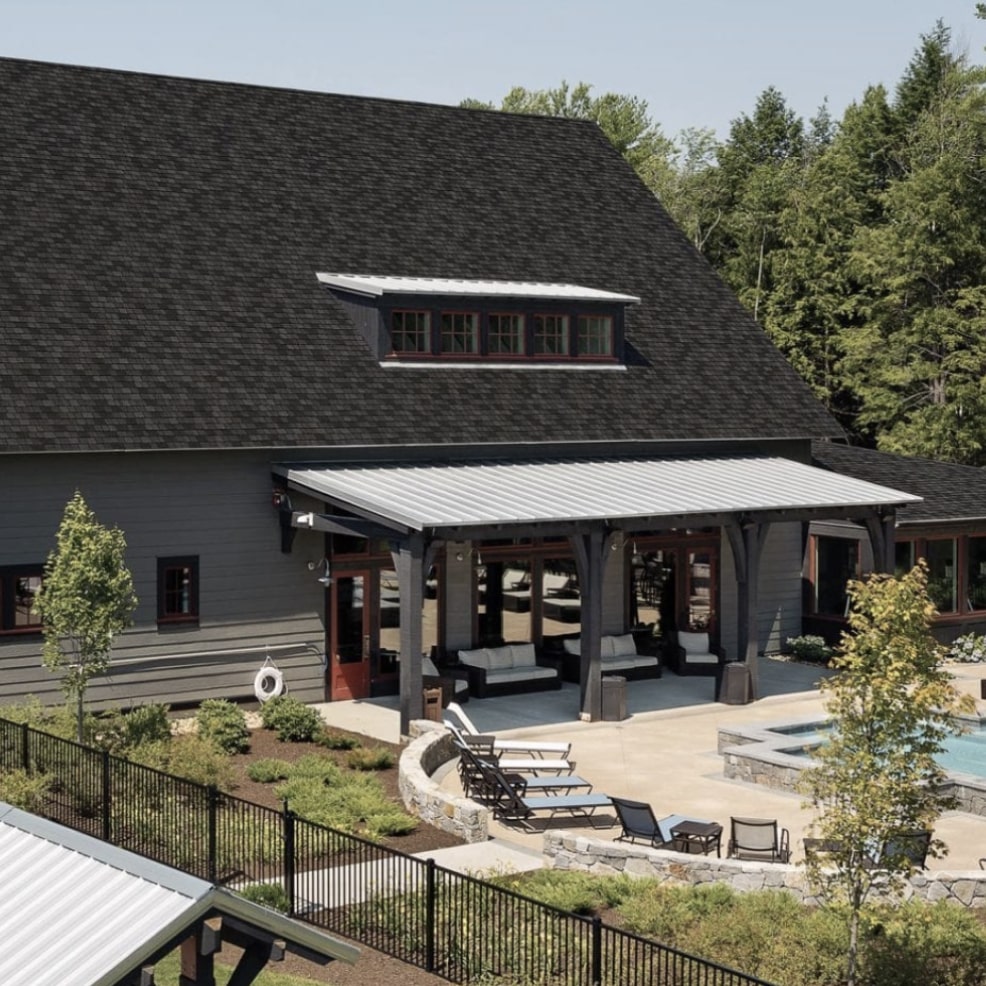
x=265 y=744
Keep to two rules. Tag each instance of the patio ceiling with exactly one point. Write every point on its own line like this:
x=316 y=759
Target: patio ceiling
x=625 y=493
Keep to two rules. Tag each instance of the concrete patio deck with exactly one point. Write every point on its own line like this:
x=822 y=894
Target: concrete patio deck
x=665 y=752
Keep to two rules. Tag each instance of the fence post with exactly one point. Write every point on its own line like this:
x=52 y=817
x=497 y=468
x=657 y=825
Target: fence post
x=213 y=802
x=430 y=923
x=289 y=857
x=25 y=758
x=597 y=951
x=107 y=792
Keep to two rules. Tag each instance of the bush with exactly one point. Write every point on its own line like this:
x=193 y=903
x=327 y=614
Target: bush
x=810 y=648
x=225 y=724
x=291 y=719
x=332 y=739
x=120 y=732
x=271 y=895
x=268 y=770
x=365 y=759
x=57 y=720
x=21 y=790
x=970 y=648
x=192 y=757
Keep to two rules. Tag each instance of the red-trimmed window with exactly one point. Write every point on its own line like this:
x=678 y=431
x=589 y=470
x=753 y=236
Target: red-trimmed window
x=460 y=334
x=505 y=336
x=178 y=589
x=410 y=332
x=594 y=336
x=19 y=589
x=551 y=335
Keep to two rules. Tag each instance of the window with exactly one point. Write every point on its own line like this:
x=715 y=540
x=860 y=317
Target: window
x=410 y=332
x=506 y=335
x=460 y=333
x=836 y=562
x=178 y=590
x=595 y=336
x=551 y=335
x=976 y=573
x=904 y=557
x=19 y=588
x=942 y=572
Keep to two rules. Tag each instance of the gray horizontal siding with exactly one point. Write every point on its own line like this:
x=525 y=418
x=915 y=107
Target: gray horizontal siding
x=213 y=505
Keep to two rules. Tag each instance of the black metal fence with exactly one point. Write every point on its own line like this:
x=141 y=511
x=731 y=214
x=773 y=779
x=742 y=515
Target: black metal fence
x=456 y=926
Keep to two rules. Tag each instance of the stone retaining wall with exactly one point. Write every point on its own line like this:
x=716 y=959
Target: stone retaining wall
x=568 y=851
x=424 y=755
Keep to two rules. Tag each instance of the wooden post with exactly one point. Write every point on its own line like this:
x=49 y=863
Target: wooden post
x=409 y=562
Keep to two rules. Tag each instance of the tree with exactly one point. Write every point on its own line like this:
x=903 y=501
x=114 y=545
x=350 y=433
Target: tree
x=623 y=119
x=891 y=707
x=87 y=596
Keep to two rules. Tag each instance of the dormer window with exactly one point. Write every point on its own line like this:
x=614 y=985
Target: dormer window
x=411 y=321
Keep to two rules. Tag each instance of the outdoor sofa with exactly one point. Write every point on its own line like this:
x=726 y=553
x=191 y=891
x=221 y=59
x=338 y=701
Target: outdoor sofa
x=508 y=670
x=618 y=654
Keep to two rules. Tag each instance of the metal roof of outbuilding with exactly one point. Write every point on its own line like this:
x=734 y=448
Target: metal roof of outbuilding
x=80 y=912
x=489 y=493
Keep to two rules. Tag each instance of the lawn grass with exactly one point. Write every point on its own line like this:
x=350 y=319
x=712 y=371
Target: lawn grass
x=167 y=970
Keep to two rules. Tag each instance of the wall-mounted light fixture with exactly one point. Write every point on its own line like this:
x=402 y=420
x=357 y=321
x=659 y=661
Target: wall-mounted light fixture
x=326 y=577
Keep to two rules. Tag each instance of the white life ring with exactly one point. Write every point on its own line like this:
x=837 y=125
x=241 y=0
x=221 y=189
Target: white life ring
x=268 y=684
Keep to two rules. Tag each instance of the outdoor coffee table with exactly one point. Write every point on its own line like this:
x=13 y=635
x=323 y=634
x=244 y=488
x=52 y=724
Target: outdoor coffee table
x=697 y=837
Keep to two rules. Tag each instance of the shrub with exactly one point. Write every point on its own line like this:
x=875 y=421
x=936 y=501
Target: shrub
x=970 y=648
x=268 y=770
x=120 y=732
x=21 y=790
x=271 y=895
x=224 y=723
x=332 y=739
x=192 y=757
x=58 y=720
x=810 y=648
x=291 y=719
x=366 y=759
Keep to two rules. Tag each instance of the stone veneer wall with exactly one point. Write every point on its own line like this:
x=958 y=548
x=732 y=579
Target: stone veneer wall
x=568 y=851
x=432 y=748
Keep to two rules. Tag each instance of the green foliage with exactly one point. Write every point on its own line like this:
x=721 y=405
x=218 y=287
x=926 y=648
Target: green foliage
x=87 y=597
x=970 y=648
x=268 y=769
x=120 y=732
x=272 y=895
x=370 y=759
x=23 y=790
x=810 y=648
x=291 y=719
x=892 y=708
x=57 y=720
x=192 y=757
x=579 y=893
x=332 y=739
x=224 y=723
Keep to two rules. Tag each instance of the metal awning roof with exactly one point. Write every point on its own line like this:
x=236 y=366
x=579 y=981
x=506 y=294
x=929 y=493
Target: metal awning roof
x=376 y=285
x=422 y=497
x=75 y=909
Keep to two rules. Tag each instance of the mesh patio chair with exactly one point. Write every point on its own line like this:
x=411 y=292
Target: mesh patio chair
x=758 y=839
x=638 y=822
x=514 y=803
x=911 y=846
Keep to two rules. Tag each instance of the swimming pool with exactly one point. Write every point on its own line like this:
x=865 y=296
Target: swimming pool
x=775 y=754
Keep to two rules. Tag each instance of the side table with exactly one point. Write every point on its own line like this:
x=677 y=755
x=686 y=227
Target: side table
x=697 y=837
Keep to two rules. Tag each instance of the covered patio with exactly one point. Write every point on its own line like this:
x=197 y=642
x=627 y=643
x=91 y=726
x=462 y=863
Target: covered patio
x=598 y=506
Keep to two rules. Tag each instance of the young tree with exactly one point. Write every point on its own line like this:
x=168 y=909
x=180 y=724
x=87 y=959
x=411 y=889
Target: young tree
x=87 y=596
x=892 y=706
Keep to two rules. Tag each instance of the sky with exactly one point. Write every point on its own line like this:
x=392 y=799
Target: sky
x=699 y=64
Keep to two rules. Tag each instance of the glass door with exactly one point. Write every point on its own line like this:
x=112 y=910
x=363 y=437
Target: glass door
x=349 y=664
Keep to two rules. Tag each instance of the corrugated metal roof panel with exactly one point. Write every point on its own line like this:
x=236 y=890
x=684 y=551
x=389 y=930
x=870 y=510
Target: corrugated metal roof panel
x=478 y=494
x=69 y=918
x=380 y=284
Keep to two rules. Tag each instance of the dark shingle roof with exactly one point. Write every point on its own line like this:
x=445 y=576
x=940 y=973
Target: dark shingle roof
x=159 y=240
x=951 y=492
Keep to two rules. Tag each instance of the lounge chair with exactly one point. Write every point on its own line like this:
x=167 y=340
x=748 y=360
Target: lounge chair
x=758 y=839
x=513 y=803
x=478 y=783
x=485 y=748
x=539 y=748
x=911 y=846
x=639 y=823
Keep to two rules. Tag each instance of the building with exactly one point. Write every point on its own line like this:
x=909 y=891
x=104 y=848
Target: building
x=349 y=371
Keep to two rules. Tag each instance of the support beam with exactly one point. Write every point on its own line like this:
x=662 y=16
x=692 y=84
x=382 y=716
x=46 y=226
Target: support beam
x=409 y=564
x=747 y=539
x=589 y=550
x=881 y=527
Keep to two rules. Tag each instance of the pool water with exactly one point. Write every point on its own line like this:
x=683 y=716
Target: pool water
x=963 y=754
